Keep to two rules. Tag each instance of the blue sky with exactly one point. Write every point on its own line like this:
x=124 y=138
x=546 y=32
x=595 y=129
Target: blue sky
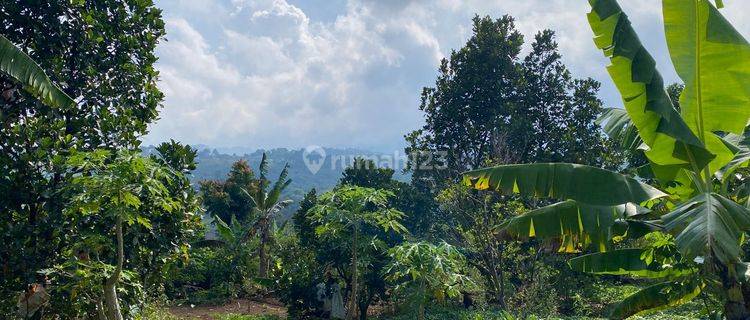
x=347 y=73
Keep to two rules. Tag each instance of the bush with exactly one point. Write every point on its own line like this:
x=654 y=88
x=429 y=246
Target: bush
x=211 y=275
x=296 y=277
x=453 y=312
x=155 y=313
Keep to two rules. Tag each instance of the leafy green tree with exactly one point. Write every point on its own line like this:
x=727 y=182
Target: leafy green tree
x=228 y=198
x=365 y=173
x=407 y=198
x=474 y=91
x=21 y=68
x=342 y=215
x=692 y=155
x=475 y=218
x=489 y=105
x=176 y=229
x=266 y=205
x=101 y=55
x=303 y=222
x=424 y=271
x=112 y=190
x=234 y=239
x=554 y=119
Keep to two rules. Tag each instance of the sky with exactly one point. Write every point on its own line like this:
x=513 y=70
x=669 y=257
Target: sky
x=348 y=73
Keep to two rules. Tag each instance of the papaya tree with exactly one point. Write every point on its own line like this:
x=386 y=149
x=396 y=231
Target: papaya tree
x=110 y=194
x=693 y=155
x=424 y=271
x=343 y=215
x=267 y=204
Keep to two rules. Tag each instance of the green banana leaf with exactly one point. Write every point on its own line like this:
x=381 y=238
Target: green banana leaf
x=669 y=139
x=740 y=145
x=617 y=124
x=585 y=184
x=656 y=297
x=634 y=229
x=624 y=262
x=708 y=224
x=576 y=225
x=18 y=65
x=713 y=60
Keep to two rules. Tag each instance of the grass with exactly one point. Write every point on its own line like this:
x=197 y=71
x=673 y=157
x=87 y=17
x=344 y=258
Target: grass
x=233 y=316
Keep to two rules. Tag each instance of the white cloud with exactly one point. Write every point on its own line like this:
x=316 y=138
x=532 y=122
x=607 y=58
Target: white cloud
x=263 y=73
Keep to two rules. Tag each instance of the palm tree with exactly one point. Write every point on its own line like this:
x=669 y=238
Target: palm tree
x=700 y=207
x=266 y=205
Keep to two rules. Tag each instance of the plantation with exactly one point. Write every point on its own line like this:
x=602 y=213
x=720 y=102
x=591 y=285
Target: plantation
x=521 y=195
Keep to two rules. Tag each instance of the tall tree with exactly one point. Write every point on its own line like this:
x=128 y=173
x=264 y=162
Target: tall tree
x=229 y=197
x=112 y=194
x=343 y=215
x=473 y=93
x=488 y=105
x=303 y=222
x=99 y=53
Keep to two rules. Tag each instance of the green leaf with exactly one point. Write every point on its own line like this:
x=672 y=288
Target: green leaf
x=634 y=229
x=617 y=124
x=145 y=222
x=740 y=145
x=223 y=230
x=582 y=183
x=709 y=224
x=575 y=224
x=711 y=58
x=656 y=297
x=21 y=67
x=624 y=262
x=633 y=70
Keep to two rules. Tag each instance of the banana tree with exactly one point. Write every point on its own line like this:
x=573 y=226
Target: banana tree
x=266 y=205
x=693 y=155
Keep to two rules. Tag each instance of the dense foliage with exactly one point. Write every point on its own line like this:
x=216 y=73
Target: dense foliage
x=101 y=55
x=553 y=219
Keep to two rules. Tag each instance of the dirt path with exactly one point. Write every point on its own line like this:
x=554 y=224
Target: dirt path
x=240 y=306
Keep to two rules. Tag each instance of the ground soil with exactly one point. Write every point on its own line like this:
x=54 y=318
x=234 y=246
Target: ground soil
x=239 y=306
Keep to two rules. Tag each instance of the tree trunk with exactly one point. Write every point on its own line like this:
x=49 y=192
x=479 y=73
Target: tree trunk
x=364 y=304
x=110 y=285
x=100 y=312
x=499 y=271
x=422 y=299
x=352 y=309
x=262 y=257
x=734 y=307
x=262 y=253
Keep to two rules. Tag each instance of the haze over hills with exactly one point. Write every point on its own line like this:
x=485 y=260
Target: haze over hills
x=214 y=164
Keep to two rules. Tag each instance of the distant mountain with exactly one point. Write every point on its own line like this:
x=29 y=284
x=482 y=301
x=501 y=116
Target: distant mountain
x=318 y=168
